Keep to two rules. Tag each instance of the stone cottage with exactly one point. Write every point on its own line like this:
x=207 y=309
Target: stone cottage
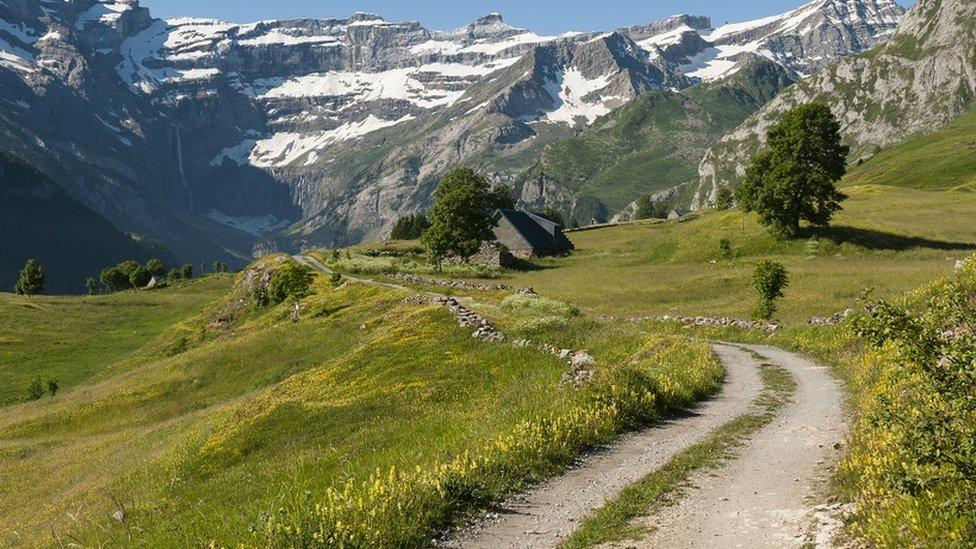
x=526 y=234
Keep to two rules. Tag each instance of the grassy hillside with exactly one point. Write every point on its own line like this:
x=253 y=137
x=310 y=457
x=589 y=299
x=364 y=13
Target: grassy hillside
x=656 y=141
x=891 y=239
x=943 y=160
x=206 y=430
x=72 y=339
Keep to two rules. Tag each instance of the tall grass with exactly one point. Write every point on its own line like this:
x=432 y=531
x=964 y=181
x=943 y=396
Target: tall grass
x=403 y=508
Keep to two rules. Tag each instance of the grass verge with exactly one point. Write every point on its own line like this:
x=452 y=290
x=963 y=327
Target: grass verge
x=614 y=521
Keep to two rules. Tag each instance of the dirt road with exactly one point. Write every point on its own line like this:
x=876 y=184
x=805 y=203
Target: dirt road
x=764 y=498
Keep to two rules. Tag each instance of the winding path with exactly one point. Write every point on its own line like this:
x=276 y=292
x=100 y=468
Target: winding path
x=767 y=497
x=764 y=498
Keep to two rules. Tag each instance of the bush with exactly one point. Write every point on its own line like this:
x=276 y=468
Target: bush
x=769 y=279
x=35 y=390
x=725 y=249
x=912 y=465
x=291 y=282
x=52 y=387
x=91 y=287
x=186 y=271
x=724 y=199
x=335 y=279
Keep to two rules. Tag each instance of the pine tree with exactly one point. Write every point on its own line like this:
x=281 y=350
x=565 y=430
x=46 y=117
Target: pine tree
x=31 y=281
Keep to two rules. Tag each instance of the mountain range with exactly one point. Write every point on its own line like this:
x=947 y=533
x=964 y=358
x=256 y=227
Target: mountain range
x=223 y=141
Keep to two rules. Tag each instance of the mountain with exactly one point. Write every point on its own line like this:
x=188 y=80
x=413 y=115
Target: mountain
x=39 y=220
x=224 y=141
x=651 y=145
x=916 y=83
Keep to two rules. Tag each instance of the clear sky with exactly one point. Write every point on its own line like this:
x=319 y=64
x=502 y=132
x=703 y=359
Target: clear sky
x=551 y=17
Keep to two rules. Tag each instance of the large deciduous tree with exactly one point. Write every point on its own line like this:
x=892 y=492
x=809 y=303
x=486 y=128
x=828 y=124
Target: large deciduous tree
x=793 y=178
x=461 y=217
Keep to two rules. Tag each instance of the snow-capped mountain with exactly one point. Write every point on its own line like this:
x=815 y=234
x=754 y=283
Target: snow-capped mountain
x=213 y=137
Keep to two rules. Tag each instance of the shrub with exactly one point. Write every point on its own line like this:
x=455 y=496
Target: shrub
x=35 y=390
x=220 y=267
x=291 y=282
x=91 y=287
x=769 y=279
x=186 y=271
x=174 y=275
x=335 y=279
x=913 y=461
x=725 y=249
x=52 y=387
x=724 y=199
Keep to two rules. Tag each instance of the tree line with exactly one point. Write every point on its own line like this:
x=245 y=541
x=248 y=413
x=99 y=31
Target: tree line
x=125 y=275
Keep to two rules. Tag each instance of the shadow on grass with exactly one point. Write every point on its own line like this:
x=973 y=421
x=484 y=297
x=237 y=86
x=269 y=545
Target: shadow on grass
x=525 y=266
x=879 y=240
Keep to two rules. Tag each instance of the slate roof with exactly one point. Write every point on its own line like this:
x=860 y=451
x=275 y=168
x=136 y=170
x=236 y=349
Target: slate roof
x=542 y=235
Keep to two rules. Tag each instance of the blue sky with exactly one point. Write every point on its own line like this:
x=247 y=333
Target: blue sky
x=541 y=16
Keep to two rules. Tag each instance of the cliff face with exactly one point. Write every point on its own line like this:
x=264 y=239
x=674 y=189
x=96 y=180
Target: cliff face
x=920 y=80
x=223 y=140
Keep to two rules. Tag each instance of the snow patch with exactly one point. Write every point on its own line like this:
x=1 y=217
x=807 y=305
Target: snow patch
x=569 y=89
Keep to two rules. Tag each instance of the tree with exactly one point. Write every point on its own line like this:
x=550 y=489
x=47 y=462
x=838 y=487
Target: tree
x=552 y=214
x=140 y=277
x=186 y=271
x=91 y=286
x=410 y=227
x=155 y=267
x=461 y=217
x=647 y=208
x=574 y=224
x=31 y=281
x=115 y=279
x=292 y=281
x=793 y=178
x=174 y=274
x=769 y=279
x=724 y=199
x=220 y=267
x=501 y=199
x=52 y=387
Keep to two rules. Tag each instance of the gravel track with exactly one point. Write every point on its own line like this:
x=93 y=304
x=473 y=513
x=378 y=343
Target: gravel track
x=769 y=496
x=551 y=511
